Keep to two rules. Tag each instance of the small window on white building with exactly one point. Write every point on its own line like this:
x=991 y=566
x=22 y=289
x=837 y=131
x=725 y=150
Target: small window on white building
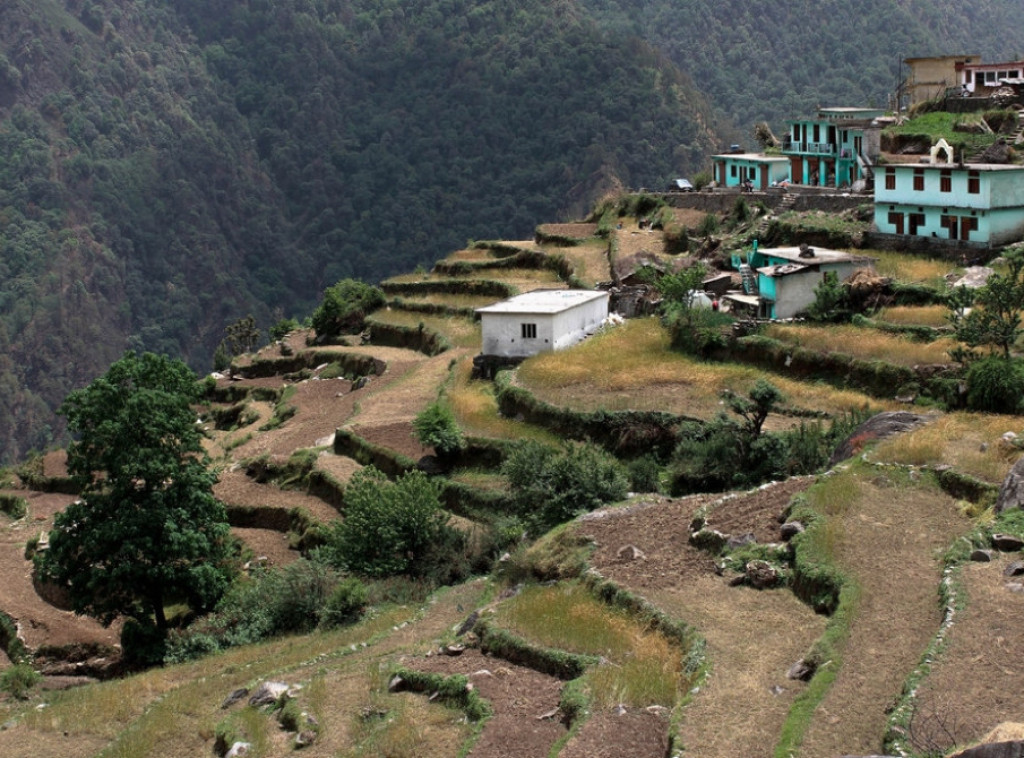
x=529 y=331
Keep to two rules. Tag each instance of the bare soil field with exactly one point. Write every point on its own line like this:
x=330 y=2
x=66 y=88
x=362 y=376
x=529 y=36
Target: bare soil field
x=748 y=659
x=976 y=679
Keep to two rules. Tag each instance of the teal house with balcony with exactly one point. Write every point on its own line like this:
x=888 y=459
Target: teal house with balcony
x=780 y=282
x=974 y=205
x=835 y=149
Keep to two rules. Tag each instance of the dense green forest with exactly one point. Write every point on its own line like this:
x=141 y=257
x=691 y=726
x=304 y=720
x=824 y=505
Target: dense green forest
x=768 y=60
x=167 y=167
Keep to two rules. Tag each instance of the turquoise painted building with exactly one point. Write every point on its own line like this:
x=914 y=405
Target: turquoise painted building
x=762 y=171
x=974 y=204
x=781 y=281
x=835 y=148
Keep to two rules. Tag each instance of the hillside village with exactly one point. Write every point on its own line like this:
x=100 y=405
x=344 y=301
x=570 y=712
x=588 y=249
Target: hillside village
x=867 y=604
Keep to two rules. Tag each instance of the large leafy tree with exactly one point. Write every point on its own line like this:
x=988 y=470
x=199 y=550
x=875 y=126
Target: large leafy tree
x=147 y=530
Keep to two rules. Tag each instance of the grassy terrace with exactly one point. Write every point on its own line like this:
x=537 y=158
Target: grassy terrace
x=461 y=332
x=523 y=278
x=911 y=315
x=864 y=344
x=589 y=260
x=639 y=370
x=644 y=666
x=453 y=300
x=476 y=410
x=913 y=268
x=969 y=441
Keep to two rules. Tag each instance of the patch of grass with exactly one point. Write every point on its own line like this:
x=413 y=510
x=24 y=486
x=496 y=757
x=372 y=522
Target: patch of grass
x=971 y=442
x=913 y=268
x=459 y=331
x=643 y=666
x=669 y=380
x=915 y=315
x=866 y=344
x=476 y=409
x=399 y=725
x=834 y=494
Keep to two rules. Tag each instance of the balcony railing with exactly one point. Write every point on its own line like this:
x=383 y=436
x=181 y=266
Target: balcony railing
x=818 y=148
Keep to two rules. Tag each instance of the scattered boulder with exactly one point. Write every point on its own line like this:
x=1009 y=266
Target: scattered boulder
x=238 y=750
x=234 y=697
x=1010 y=749
x=628 y=553
x=268 y=693
x=467 y=625
x=1014 y=569
x=878 y=427
x=791 y=529
x=305 y=738
x=974 y=277
x=453 y=650
x=744 y=539
x=397 y=684
x=1011 y=493
x=801 y=671
x=1008 y=543
x=761 y=575
x=982 y=556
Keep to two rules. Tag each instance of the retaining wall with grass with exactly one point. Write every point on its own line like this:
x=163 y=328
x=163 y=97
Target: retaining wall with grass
x=522 y=259
x=876 y=378
x=488 y=287
x=624 y=432
x=418 y=338
x=352 y=364
x=392 y=463
x=433 y=309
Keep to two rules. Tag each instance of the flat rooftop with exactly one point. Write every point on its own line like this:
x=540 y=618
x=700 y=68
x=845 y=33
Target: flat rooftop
x=759 y=157
x=544 y=301
x=821 y=255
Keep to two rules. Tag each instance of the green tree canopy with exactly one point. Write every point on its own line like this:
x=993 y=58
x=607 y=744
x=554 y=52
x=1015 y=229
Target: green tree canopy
x=147 y=530
x=345 y=306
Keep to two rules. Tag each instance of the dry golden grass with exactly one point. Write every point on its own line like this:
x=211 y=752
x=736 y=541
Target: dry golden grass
x=452 y=300
x=865 y=344
x=460 y=331
x=644 y=666
x=916 y=315
x=476 y=410
x=589 y=260
x=640 y=371
x=971 y=442
x=912 y=268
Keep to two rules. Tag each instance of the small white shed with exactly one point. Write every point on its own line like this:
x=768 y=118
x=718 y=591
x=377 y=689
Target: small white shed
x=542 y=320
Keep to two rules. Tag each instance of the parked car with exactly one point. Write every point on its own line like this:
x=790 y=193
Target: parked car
x=680 y=185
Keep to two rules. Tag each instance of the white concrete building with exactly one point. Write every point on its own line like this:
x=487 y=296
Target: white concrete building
x=542 y=320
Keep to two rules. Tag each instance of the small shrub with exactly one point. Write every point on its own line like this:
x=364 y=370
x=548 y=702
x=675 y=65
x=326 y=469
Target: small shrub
x=346 y=603
x=393 y=527
x=345 y=307
x=281 y=329
x=708 y=225
x=436 y=427
x=644 y=474
x=14 y=506
x=19 y=680
x=552 y=486
x=993 y=385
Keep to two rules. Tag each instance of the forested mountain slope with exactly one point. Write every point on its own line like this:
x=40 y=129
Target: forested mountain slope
x=758 y=59
x=167 y=167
